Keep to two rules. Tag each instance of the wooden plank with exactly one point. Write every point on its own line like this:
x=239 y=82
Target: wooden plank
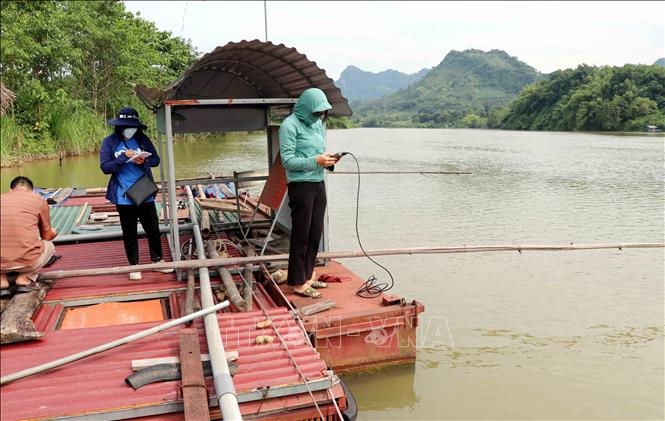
x=226 y=191
x=222 y=205
x=141 y=364
x=310 y=309
x=194 y=391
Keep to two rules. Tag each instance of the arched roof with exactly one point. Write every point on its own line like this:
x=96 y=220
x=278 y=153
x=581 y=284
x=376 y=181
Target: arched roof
x=255 y=69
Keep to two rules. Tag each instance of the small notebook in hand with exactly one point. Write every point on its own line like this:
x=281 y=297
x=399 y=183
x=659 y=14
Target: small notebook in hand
x=139 y=155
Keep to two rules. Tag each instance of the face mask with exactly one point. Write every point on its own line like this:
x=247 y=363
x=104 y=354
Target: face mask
x=129 y=132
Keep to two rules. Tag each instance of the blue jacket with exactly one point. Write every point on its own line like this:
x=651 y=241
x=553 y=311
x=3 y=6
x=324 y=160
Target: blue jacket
x=112 y=165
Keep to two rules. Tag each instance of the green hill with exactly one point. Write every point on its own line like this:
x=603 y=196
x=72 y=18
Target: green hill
x=590 y=98
x=357 y=84
x=660 y=62
x=461 y=91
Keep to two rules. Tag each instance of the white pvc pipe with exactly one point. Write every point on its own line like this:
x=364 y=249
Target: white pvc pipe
x=224 y=387
x=101 y=348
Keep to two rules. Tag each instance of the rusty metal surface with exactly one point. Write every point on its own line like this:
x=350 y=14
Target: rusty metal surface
x=95 y=384
x=195 y=395
x=276 y=71
x=360 y=333
x=109 y=254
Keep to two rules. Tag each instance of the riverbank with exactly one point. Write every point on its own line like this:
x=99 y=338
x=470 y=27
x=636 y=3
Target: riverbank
x=20 y=146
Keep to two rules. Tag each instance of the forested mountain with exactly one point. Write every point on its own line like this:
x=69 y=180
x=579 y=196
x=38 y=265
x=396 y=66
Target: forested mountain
x=590 y=98
x=660 y=62
x=358 y=84
x=461 y=91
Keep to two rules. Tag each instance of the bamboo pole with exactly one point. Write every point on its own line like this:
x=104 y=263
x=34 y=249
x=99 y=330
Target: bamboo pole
x=113 y=344
x=402 y=172
x=235 y=261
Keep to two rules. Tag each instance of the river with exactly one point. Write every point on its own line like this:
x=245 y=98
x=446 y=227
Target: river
x=537 y=335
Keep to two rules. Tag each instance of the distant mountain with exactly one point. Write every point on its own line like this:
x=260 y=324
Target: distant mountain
x=660 y=62
x=358 y=84
x=466 y=84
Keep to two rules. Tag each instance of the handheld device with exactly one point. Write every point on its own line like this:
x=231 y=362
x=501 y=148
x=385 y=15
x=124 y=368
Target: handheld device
x=338 y=155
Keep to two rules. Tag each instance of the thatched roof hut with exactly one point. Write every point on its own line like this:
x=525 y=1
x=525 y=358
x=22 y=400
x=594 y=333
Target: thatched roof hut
x=6 y=98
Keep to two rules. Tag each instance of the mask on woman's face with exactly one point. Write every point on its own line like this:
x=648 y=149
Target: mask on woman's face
x=129 y=132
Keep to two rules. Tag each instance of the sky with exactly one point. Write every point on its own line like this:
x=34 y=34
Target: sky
x=408 y=36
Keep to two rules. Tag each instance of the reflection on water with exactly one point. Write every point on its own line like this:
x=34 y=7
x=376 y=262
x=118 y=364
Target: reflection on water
x=537 y=335
x=397 y=388
x=219 y=156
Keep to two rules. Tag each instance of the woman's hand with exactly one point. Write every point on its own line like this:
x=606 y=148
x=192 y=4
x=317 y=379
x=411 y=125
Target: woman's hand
x=139 y=161
x=129 y=153
x=325 y=160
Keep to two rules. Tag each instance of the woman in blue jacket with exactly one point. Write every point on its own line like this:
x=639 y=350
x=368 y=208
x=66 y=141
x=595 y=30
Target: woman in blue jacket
x=127 y=140
x=302 y=145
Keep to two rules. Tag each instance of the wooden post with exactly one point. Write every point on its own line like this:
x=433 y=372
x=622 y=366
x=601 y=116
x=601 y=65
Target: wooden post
x=191 y=286
x=16 y=320
x=248 y=274
x=232 y=292
x=194 y=391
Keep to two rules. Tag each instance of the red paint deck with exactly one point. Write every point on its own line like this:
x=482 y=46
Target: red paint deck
x=358 y=334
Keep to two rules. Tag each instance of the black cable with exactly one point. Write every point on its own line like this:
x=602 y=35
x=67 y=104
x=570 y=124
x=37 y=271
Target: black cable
x=371 y=288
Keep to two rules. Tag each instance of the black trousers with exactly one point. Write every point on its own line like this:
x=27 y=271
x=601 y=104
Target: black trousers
x=147 y=214
x=308 y=207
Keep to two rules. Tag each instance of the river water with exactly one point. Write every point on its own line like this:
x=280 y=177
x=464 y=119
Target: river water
x=537 y=335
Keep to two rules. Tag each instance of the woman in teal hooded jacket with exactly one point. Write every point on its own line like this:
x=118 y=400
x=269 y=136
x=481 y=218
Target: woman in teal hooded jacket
x=302 y=147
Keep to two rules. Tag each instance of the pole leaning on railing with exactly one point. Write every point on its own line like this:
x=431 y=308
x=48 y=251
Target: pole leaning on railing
x=224 y=387
x=101 y=348
x=240 y=261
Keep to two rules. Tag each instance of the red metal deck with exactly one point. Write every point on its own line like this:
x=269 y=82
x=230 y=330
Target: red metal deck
x=95 y=385
x=359 y=333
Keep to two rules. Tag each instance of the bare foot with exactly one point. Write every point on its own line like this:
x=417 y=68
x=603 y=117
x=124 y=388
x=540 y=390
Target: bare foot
x=23 y=280
x=4 y=282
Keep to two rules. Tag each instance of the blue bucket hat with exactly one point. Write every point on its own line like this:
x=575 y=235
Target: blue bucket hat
x=127 y=117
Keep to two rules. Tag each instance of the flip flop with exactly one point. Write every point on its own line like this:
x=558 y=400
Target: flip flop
x=309 y=292
x=6 y=291
x=318 y=284
x=279 y=276
x=25 y=288
x=52 y=260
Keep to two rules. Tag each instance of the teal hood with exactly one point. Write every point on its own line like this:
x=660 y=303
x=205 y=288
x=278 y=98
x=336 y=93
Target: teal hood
x=312 y=100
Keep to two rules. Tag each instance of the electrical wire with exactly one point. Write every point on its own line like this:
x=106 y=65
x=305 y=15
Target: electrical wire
x=371 y=288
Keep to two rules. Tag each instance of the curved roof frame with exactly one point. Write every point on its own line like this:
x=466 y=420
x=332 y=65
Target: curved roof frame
x=280 y=71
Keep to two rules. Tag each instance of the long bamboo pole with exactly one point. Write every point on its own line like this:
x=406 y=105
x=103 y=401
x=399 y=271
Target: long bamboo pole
x=234 y=261
x=402 y=172
x=101 y=348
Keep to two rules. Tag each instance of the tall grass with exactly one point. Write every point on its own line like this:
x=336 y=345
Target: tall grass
x=77 y=131
x=12 y=138
x=70 y=131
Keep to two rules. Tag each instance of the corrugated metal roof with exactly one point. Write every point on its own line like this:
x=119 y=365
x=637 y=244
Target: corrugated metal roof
x=64 y=218
x=96 y=384
x=274 y=71
x=109 y=254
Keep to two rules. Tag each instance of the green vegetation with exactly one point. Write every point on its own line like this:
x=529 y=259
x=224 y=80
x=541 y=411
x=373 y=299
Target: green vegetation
x=462 y=91
x=72 y=65
x=589 y=98
x=339 y=123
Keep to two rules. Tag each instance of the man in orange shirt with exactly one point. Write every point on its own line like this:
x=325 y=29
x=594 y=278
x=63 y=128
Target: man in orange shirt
x=24 y=217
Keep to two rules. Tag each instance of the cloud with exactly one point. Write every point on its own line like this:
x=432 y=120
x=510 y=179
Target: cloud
x=408 y=36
